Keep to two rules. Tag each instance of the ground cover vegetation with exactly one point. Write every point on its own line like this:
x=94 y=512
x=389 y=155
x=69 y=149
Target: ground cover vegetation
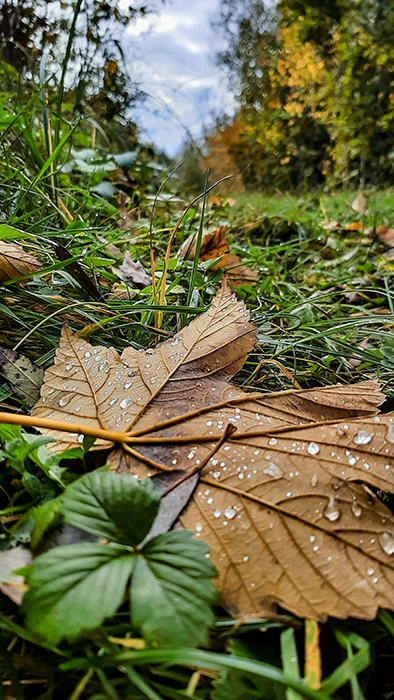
x=112 y=282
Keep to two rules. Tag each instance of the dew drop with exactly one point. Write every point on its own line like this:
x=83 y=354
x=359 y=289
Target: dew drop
x=313 y=448
x=63 y=402
x=313 y=480
x=241 y=475
x=80 y=438
x=208 y=423
x=312 y=538
x=198 y=527
x=288 y=494
x=273 y=470
x=370 y=572
x=177 y=341
x=217 y=474
x=125 y=403
x=363 y=437
x=331 y=511
x=217 y=514
x=113 y=401
x=356 y=510
x=273 y=441
x=128 y=385
x=390 y=433
x=245 y=559
x=68 y=367
x=88 y=354
x=209 y=501
x=386 y=541
x=352 y=461
x=229 y=513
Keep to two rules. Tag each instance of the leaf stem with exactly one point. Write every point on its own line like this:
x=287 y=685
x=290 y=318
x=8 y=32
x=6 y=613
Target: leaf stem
x=35 y=422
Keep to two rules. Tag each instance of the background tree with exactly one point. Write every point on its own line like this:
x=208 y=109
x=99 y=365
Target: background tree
x=315 y=85
x=82 y=37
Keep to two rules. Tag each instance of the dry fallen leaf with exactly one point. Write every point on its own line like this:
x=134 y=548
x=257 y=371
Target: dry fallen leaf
x=24 y=376
x=213 y=245
x=385 y=235
x=283 y=502
x=14 y=262
x=354 y=226
x=12 y=585
x=132 y=273
x=214 y=202
x=359 y=204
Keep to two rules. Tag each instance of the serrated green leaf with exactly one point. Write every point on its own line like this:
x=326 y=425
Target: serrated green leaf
x=74 y=588
x=9 y=431
x=46 y=515
x=32 y=485
x=112 y=506
x=125 y=160
x=171 y=591
x=105 y=189
x=88 y=442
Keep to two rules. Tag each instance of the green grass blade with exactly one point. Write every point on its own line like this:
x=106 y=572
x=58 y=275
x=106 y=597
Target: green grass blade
x=139 y=683
x=201 y=659
x=349 y=669
x=290 y=662
x=198 y=241
x=44 y=168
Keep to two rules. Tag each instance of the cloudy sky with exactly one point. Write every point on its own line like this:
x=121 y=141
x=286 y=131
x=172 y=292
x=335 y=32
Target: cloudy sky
x=172 y=56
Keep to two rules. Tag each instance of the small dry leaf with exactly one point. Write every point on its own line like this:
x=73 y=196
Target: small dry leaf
x=214 y=202
x=14 y=262
x=12 y=585
x=283 y=502
x=213 y=245
x=132 y=273
x=385 y=235
x=359 y=204
x=24 y=376
x=235 y=271
x=354 y=226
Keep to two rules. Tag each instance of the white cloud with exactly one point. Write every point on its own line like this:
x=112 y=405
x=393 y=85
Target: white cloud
x=172 y=56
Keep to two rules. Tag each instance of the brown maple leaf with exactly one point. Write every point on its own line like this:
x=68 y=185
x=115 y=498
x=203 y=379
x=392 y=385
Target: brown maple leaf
x=283 y=501
x=215 y=245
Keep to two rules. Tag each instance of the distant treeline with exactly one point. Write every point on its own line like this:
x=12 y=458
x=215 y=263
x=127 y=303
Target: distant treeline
x=315 y=80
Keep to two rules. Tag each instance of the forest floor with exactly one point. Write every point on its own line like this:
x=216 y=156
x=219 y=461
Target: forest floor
x=316 y=274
